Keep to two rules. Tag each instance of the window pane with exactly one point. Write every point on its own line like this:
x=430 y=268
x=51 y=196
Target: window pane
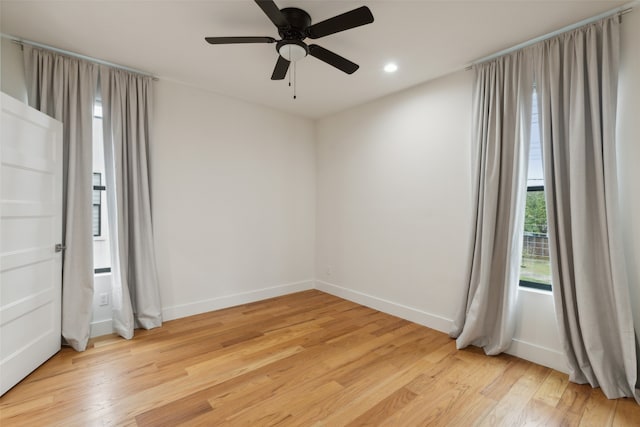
x=535 y=176
x=97 y=109
x=535 y=265
x=96 y=220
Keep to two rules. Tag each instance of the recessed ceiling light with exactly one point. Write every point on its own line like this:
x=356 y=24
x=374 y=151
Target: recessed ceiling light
x=390 y=67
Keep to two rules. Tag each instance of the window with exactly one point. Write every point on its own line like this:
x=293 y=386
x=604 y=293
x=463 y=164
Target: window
x=101 y=250
x=98 y=188
x=535 y=266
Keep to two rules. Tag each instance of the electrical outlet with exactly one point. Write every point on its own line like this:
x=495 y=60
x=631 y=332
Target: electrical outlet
x=329 y=271
x=104 y=299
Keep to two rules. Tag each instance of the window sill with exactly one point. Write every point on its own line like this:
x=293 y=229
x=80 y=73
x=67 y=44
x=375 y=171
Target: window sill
x=534 y=290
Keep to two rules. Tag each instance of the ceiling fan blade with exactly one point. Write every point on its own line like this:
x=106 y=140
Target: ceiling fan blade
x=273 y=12
x=234 y=40
x=333 y=59
x=346 y=21
x=280 y=71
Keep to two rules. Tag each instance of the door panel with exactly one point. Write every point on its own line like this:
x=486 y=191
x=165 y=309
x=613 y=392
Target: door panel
x=25 y=184
x=29 y=278
x=24 y=233
x=30 y=227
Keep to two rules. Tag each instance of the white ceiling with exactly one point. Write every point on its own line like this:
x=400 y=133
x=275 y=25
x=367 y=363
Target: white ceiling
x=427 y=39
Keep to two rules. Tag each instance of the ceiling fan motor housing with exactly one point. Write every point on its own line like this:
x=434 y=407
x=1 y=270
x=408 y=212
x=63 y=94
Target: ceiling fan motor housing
x=299 y=21
x=291 y=47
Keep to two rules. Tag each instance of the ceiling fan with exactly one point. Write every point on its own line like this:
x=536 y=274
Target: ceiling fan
x=294 y=25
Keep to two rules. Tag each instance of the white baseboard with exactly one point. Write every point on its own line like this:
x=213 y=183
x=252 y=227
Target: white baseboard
x=412 y=314
x=525 y=350
x=537 y=354
x=522 y=349
x=217 y=303
x=101 y=327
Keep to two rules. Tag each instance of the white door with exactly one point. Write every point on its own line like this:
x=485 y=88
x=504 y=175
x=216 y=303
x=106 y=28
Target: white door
x=30 y=228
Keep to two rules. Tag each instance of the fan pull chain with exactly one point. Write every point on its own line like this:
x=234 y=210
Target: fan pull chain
x=294 y=75
x=293 y=64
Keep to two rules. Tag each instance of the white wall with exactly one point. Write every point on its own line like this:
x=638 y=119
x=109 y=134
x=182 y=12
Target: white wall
x=233 y=192
x=394 y=196
x=394 y=211
x=101 y=323
x=12 y=81
x=629 y=151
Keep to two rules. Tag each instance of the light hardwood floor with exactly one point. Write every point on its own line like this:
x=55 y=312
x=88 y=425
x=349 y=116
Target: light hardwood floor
x=307 y=359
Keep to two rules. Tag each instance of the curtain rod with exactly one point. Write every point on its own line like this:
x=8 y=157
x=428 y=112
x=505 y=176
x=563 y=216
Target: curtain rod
x=620 y=10
x=22 y=42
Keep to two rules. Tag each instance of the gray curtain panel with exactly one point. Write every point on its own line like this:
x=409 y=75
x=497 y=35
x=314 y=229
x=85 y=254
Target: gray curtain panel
x=576 y=78
x=65 y=89
x=502 y=122
x=126 y=106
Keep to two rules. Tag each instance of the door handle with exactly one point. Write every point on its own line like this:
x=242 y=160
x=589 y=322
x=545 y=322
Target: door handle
x=60 y=247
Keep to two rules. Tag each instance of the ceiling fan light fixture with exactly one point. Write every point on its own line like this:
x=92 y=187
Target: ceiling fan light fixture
x=292 y=51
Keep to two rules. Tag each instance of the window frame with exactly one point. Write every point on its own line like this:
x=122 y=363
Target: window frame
x=97 y=114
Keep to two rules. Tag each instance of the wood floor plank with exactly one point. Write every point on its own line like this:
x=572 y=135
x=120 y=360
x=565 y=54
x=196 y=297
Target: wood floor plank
x=351 y=390
x=537 y=412
x=174 y=413
x=447 y=394
x=474 y=406
x=627 y=413
x=380 y=391
x=552 y=389
x=501 y=386
x=434 y=399
x=574 y=399
x=305 y=359
x=509 y=409
x=283 y=406
x=598 y=410
x=387 y=406
x=27 y=406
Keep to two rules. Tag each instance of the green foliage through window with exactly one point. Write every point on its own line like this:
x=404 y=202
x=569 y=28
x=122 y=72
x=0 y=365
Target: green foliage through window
x=535 y=266
x=535 y=216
